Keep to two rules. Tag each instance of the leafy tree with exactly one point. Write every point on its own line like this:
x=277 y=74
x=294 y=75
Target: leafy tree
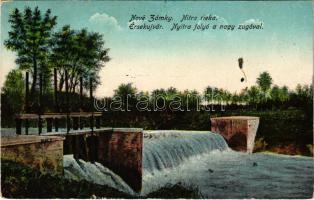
x=304 y=91
x=158 y=92
x=13 y=93
x=264 y=81
x=243 y=96
x=125 y=89
x=279 y=94
x=212 y=94
x=29 y=37
x=127 y=93
x=254 y=95
x=81 y=53
x=171 y=93
x=235 y=99
x=14 y=82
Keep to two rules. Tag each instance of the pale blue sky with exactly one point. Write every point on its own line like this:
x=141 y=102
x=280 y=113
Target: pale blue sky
x=186 y=59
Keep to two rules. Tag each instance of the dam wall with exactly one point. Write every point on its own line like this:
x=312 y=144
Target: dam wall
x=238 y=131
x=119 y=149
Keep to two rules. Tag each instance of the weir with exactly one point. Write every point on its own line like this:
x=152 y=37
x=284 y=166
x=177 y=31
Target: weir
x=168 y=149
x=157 y=151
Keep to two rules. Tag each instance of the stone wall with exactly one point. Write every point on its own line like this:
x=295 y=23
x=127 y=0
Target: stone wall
x=41 y=152
x=239 y=131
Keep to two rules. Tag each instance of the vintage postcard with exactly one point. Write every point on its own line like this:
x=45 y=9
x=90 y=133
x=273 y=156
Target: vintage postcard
x=157 y=99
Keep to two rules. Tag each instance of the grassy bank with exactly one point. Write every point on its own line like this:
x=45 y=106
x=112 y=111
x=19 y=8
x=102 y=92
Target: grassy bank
x=19 y=181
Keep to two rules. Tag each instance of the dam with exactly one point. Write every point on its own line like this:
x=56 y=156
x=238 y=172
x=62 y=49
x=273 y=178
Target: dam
x=203 y=160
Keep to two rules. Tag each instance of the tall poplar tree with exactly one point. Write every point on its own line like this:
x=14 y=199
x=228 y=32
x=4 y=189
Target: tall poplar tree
x=29 y=37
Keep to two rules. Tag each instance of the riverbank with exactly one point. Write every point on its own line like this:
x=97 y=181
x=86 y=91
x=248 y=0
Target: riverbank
x=19 y=181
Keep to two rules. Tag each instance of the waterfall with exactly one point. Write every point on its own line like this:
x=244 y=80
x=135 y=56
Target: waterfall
x=167 y=149
x=93 y=172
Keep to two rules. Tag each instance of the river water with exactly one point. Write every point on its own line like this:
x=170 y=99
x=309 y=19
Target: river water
x=203 y=160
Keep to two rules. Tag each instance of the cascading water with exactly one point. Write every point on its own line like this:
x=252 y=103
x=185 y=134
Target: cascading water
x=203 y=160
x=93 y=172
x=167 y=149
x=162 y=150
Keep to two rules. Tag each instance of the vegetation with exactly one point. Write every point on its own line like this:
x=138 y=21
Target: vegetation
x=19 y=181
x=80 y=53
x=40 y=50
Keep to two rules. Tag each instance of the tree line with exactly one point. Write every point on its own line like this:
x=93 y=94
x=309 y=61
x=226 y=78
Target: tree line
x=40 y=48
x=264 y=94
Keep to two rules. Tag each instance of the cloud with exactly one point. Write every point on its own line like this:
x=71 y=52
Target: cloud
x=105 y=20
x=252 y=21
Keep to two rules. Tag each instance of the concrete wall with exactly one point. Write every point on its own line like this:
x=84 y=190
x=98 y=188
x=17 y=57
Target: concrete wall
x=40 y=152
x=239 y=131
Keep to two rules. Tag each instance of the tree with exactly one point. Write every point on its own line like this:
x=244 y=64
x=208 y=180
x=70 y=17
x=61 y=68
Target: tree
x=156 y=92
x=13 y=92
x=264 y=81
x=304 y=91
x=81 y=53
x=191 y=98
x=253 y=95
x=279 y=94
x=127 y=93
x=171 y=93
x=212 y=94
x=29 y=38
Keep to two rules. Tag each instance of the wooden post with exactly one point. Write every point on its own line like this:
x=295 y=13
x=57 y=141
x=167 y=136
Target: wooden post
x=49 y=125
x=81 y=122
x=75 y=123
x=26 y=100
x=91 y=123
x=67 y=100
x=26 y=126
x=56 y=124
x=18 y=125
x=40 y=125
x=98 y=122
x=55 y=78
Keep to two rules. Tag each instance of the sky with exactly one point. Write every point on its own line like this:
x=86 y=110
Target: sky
x=187 y=59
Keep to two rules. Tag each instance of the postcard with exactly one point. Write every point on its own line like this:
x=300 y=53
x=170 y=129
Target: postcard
x=157 y=99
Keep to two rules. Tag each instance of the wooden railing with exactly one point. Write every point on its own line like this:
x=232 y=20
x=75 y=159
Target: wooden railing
x=53 y=119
